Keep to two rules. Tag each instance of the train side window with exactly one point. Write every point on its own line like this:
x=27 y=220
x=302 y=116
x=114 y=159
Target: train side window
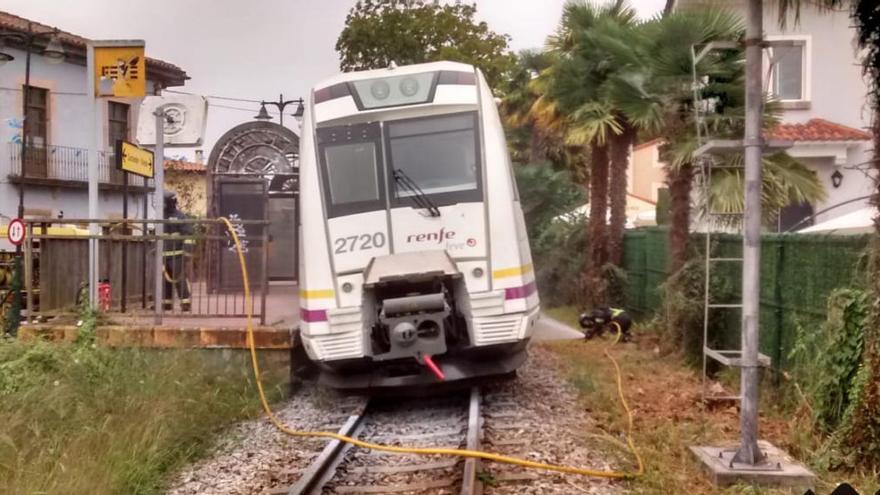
x=351 y=169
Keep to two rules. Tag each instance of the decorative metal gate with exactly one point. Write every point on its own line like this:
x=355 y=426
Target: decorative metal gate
x=267 y=153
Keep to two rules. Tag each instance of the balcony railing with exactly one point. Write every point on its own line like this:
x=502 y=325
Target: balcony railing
x=64 y=163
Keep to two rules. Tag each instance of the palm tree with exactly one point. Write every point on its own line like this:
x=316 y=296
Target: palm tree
x=618 y=39
x=573 y=93
x=529 y=140
x=662 y=98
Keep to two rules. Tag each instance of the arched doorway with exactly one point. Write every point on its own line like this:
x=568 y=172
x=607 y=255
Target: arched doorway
x=254 y=173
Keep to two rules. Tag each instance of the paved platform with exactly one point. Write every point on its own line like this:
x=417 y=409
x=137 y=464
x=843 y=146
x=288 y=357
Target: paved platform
x=165 y=336
x=282 y=310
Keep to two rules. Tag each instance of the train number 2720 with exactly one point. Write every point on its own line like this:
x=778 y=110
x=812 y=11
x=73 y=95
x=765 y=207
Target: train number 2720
x=359 y=242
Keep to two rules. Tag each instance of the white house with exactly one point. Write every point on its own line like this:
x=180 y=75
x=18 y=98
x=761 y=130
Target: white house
x=815 y=73
x=55 y=173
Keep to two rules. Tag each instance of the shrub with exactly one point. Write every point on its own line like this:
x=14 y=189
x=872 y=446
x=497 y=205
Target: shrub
x=558 y=245
x=680 y=319
x=829 y=359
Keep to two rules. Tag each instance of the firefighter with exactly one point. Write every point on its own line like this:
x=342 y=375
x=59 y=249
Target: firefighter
x=596 y=322
x=174 y=255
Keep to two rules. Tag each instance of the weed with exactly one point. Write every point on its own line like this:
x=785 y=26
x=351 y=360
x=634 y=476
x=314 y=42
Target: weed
x=665 y=396
x=80 y=419
x=487 y=478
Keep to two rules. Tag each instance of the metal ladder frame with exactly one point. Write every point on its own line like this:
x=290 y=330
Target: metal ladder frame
x=727 y=357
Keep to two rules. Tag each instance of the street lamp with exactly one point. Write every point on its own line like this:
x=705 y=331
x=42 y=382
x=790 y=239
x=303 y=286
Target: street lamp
x=281 y=104
x=54 y=54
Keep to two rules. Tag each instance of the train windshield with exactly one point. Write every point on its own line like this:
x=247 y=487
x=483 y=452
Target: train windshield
x=439 y=154
x=351 y=173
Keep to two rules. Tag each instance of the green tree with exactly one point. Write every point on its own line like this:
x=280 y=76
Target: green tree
x=378 y=32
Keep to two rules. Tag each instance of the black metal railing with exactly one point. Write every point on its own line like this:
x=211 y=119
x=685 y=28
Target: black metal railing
x=200 y=271
x=66 y=163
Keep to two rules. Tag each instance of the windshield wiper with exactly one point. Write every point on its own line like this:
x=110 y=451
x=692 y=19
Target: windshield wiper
x=418 y=196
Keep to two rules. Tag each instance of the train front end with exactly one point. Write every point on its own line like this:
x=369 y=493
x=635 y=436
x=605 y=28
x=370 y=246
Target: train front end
x=415 y=265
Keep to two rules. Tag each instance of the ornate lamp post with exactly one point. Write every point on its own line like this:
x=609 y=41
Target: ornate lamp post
x=54 y=54
x=280 y=105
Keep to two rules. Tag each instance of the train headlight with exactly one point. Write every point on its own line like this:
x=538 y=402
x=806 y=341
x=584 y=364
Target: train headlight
x=409 y=86
x=383 y=92
x=347 y=287
x=380 y=89
x=477 y=272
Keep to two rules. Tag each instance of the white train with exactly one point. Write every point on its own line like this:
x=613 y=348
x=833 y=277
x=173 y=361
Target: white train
x=415 y=264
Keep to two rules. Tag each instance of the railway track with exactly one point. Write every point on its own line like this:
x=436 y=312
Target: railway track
x=454 y=421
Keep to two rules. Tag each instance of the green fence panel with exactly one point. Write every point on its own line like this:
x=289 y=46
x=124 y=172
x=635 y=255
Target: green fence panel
x=798 y=272
x=634 y=261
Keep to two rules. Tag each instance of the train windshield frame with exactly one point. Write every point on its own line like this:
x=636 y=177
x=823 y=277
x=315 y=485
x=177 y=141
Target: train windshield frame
x=440 y=153
x=352 y=169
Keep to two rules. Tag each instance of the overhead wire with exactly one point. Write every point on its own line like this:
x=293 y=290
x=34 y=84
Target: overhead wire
x=488 y=456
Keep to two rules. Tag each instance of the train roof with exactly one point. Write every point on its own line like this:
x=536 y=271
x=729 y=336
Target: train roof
x=400 y=70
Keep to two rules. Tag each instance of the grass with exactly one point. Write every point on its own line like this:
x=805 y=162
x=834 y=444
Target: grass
x=80 y=419
x=665 y=396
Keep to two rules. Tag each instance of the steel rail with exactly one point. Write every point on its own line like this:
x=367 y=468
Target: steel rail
x=469 y=483
x=324 y=466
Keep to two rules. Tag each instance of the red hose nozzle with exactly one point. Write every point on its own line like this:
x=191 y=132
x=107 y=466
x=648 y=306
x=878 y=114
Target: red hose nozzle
x=433 y=367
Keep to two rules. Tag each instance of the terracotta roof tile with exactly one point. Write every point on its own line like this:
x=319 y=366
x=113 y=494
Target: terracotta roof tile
x=647 y=144
x=185 y=166
x=817 y=130
x=12 y=22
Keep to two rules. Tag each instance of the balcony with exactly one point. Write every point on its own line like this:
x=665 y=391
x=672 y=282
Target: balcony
x=64 y=166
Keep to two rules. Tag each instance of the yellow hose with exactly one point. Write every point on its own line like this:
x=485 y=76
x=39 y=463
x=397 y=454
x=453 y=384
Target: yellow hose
x=428 y=451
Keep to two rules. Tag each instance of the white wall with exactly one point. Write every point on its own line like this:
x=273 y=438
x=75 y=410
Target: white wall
x=838 y=91
x=69 y=114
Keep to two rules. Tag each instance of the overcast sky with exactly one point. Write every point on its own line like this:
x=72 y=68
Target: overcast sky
x=256 y=49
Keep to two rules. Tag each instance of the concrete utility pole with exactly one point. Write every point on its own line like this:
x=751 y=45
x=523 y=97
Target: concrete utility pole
x=94 y=228
x=748 y=452
x=159 y=209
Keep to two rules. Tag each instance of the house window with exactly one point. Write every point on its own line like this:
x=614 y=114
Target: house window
x=37 y=117
x=36 y=125
x=788 y=72
x=118 y=122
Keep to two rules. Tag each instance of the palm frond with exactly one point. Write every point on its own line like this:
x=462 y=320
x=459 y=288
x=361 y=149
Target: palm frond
x=593 y=121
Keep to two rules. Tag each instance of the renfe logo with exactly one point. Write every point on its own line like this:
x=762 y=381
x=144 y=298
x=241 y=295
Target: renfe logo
x=439 y=236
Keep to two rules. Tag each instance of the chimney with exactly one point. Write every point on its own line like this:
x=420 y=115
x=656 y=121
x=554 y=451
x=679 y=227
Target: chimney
x=200 y=156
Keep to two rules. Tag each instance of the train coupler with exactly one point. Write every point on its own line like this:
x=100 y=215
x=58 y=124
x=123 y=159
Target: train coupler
x=429 y=362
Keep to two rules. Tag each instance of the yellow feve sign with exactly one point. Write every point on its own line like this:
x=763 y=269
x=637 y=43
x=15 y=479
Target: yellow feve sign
x=126 y=66
x=134 y=159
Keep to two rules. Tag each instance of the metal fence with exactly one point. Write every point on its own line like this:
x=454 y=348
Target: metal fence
x=64 y=163
x=200 y=273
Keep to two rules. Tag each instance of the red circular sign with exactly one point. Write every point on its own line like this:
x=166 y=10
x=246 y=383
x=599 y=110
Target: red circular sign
x=471 y=242
x=15 y=231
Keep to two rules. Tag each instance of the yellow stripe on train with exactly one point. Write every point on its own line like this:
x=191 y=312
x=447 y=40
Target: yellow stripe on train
x=512 y=272
x=317 y=294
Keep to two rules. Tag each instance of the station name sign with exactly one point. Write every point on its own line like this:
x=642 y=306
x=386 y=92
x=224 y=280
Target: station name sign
x=134 y=159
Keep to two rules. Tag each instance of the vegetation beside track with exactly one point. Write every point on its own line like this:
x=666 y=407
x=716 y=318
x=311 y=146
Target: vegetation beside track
x=84 y=419
x=664 y=393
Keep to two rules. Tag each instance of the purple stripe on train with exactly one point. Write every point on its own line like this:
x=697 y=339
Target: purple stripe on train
x=313 y=315
x=520 y=292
